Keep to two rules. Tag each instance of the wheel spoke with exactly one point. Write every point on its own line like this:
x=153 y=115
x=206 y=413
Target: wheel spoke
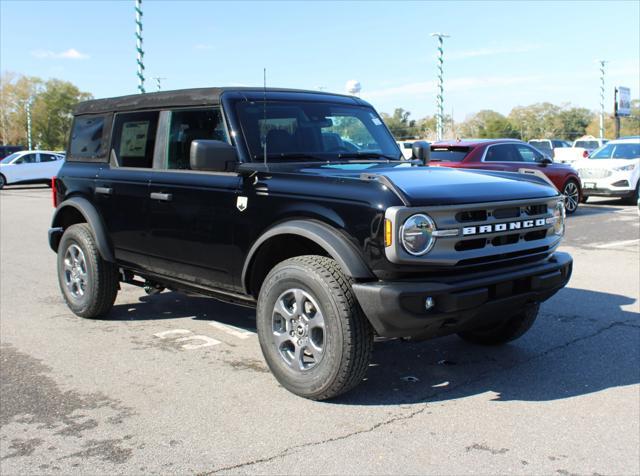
x=280 y=338
x=299 y=300
x=298 y=358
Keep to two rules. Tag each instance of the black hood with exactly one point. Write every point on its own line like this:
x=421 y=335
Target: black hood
x=425 y=186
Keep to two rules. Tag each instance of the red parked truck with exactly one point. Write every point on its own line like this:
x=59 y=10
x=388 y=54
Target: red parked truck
x=509 y=155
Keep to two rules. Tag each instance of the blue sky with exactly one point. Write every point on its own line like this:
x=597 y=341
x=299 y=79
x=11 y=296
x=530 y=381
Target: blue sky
x=500 y=55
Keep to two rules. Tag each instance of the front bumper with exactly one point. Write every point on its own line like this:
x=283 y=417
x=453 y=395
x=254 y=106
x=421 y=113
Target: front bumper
x=397 y=309
x=619 y=184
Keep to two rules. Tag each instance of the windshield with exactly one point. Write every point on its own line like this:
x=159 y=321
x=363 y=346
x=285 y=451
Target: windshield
x=9 y=158
x=617 y=151
x=297 y=131
x=448 y=154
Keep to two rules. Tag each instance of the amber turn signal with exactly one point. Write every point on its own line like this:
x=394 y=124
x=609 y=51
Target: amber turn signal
x=387 y=233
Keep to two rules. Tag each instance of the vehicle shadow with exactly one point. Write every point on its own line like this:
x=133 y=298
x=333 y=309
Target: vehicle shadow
x=596 y=209
x=587 y=344
x=15 y=188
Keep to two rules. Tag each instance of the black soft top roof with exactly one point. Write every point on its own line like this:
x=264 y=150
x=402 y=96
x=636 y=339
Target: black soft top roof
x=200 y=97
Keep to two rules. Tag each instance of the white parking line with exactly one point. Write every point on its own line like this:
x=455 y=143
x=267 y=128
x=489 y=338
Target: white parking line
x=207 y=342
x=165 y=334
x=615 y=244
x=232 y=330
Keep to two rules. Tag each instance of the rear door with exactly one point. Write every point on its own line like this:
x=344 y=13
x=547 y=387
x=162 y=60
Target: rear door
x=49 y=165
x=122 y=186
x=191 y=213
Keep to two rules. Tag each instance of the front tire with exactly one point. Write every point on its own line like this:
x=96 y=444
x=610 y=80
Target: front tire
x=313 y=335
x=88 y=283
x=3 y=181
x=506 y=331
x=571 y=192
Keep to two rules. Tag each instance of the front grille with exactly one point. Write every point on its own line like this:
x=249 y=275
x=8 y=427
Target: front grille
x=594 y=173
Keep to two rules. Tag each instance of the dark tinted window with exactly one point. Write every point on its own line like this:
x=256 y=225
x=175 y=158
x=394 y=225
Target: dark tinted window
x=541 y=144
x=48 y=157
x=503 y=153
x=449 y=154
x=86 y=137
x=187 y=126
x=134 y=135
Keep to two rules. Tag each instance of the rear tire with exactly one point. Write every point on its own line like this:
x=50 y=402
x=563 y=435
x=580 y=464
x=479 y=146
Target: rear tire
x=3 y=181
x=313 y=335
x=506 y=331
x=88 y=283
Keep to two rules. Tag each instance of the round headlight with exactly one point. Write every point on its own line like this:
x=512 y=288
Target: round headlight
x=416 y=234
x=559 y=215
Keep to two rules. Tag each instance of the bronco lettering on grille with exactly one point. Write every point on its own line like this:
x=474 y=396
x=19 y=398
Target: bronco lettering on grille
x=510 y=226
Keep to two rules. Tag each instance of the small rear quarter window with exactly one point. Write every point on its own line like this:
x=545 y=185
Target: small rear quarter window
x=87 y=137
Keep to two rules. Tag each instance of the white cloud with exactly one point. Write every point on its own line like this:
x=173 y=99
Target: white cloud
x=71 y=54
x=490 y=51
x=451 y=85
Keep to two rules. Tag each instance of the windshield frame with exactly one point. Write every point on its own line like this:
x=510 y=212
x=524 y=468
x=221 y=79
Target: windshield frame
x=239 y=132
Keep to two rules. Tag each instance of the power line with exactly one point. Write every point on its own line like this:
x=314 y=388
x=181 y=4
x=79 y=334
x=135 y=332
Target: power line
x=440 y=95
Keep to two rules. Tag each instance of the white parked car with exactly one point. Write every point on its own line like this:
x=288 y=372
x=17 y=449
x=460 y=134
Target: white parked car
x=613 y=170
x=30 y=166
x=580 y=149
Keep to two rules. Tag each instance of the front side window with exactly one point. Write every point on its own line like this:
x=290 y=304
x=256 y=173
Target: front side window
x=134 y=136
x=86 y=136
x=503 y=153
x=187 y=126
x=48 y=157
x=617 y=151
x=289 y=130
x=26 y=159
x=528 y=154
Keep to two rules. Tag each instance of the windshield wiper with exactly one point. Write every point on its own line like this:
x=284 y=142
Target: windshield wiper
x=367 y=155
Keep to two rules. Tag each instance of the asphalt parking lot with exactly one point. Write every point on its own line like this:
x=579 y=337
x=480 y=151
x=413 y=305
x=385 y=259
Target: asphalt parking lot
x=177 y=384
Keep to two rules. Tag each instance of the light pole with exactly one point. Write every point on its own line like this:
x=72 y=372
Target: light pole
x=440 y=95
x=28 y=110
x=140 y=52
x=602 y=63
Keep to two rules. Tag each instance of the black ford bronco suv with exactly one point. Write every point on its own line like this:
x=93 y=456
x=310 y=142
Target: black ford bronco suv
x=299 y=203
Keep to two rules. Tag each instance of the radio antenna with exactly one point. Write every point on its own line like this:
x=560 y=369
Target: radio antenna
x=264 y=113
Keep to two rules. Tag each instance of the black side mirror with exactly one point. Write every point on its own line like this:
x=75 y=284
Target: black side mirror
x=212 y=155
x=546 y=160
x=421 y=151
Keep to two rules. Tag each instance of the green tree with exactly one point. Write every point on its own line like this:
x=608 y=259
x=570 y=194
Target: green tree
x=488 y=124
x=52 y=112
x=629 y=126
x=52 y=103
x=537 y=121
x=400 y=125
x=572 y=123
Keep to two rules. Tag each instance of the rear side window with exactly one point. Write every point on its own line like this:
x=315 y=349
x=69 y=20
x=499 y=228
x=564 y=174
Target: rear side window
x=449 y=154
x=87 y=137
x=190 y=125
x=134 y=135
x=48 y=157
x=540 y=144
x=587 y=144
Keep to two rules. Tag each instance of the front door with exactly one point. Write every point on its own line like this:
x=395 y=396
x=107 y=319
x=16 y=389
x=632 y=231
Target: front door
x=192 y=213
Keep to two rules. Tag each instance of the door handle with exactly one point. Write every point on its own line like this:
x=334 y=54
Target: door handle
x=165 y=197
x=104 y=190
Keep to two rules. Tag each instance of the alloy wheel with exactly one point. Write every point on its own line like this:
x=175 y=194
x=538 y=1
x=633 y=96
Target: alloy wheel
x=76 y=277
x=298 y=329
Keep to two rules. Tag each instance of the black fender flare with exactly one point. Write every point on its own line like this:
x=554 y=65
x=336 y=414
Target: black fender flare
x=327 y=237
x=92 y=217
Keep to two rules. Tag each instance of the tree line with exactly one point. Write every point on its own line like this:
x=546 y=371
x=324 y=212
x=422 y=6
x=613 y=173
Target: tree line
x=536 y=121
x=52 y=103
